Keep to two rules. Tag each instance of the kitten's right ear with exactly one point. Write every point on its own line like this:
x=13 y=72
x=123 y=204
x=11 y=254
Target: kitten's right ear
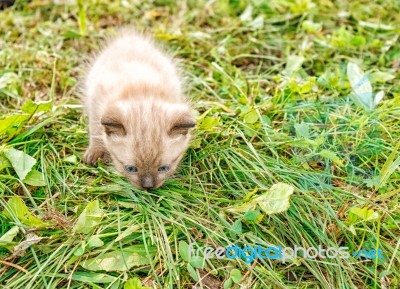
x=182 y=124
x=112 y=125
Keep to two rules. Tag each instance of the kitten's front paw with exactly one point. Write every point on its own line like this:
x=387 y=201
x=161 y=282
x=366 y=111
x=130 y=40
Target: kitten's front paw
x=92 y=155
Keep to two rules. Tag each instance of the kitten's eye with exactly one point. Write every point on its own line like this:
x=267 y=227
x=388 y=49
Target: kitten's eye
x=164 y=169
x=131 y=169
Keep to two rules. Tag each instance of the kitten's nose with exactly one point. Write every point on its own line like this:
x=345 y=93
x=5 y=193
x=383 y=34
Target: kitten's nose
x=147 y=182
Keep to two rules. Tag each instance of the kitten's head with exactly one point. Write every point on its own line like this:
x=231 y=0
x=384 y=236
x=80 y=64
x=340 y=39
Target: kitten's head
x=147 y=139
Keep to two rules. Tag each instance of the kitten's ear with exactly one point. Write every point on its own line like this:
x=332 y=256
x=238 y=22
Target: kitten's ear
x=112 y=125
x=182 y=124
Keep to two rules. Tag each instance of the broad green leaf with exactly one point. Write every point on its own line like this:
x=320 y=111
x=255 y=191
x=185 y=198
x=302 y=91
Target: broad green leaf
x=35 y=178
x=209 y=124
x=20 y=161
x=276 y=199
x=293 y=64
x=362 y=89
x=13 y=122
x=192 y=272
x=89 y=218
x=253 y=216
x=16 y=207
x=228 y=283
x=133 y=283
x=237 y=227
x=81 y=249
x=184 y=250
x=94 y=242
x=6 y=240
x=380 y=76
x=302 y=130
x=34 y=107
x=330 y=155
x=71 y=159
x=121 y=260
x=251 y=117
x=197 y=262
x=364 y=214
x=236 y=276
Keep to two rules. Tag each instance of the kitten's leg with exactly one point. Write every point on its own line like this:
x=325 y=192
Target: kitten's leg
x=96 y=150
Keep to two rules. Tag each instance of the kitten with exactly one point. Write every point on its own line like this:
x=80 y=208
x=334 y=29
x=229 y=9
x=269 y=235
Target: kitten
x=138 y=116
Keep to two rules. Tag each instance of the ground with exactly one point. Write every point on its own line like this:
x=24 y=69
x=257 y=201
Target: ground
x=291 y=96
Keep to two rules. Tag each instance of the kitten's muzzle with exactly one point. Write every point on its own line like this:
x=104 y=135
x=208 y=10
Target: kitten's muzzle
x=147 y=182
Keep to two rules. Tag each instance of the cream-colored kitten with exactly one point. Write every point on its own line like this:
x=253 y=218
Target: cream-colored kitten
x=138 y=117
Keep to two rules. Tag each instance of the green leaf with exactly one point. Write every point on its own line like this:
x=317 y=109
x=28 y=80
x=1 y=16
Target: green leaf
x=20 y=161
x=89 y=218
x=236 y=276
x=251 y=117
x=34 y=107
x=364 y=214
x=81 y=249
x=71 y=159
x=302 y=130
x=276 y=200
x=380 y=76
x=228 y=283
x=11 y=123
x=362 y=89
x=293 y=64
x=237 y=227
x=184 y=250
x=121 y=260
x=133 y=283
x=192 y=272
x=16 y=207
x=209 y=124
x=252 y=216
x=35 y=178
x=6 y=240
x=94 y=242
x=330 y=155
x=197 y=262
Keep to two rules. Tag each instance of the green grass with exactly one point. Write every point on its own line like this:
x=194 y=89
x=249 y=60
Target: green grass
x=259 y=123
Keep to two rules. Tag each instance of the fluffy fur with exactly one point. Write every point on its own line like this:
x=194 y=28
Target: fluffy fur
x=138 y=117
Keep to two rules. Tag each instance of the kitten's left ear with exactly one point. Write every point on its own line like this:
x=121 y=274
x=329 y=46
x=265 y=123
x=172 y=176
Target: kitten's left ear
x=182 y=124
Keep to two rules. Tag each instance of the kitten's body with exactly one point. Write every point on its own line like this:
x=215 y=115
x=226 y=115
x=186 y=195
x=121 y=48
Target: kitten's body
x=138 y=117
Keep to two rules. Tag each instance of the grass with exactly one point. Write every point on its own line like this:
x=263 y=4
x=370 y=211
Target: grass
x=261 y=121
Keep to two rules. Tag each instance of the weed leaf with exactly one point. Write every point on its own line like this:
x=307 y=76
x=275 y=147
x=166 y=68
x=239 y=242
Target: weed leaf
x=89 y=218
x=17 y=208
x=6 y=241
x=362 y=89
x=121 y=260
x=20 y=161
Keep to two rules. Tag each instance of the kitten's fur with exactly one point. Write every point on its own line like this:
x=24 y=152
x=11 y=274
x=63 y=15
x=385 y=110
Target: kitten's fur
x=138 y=116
